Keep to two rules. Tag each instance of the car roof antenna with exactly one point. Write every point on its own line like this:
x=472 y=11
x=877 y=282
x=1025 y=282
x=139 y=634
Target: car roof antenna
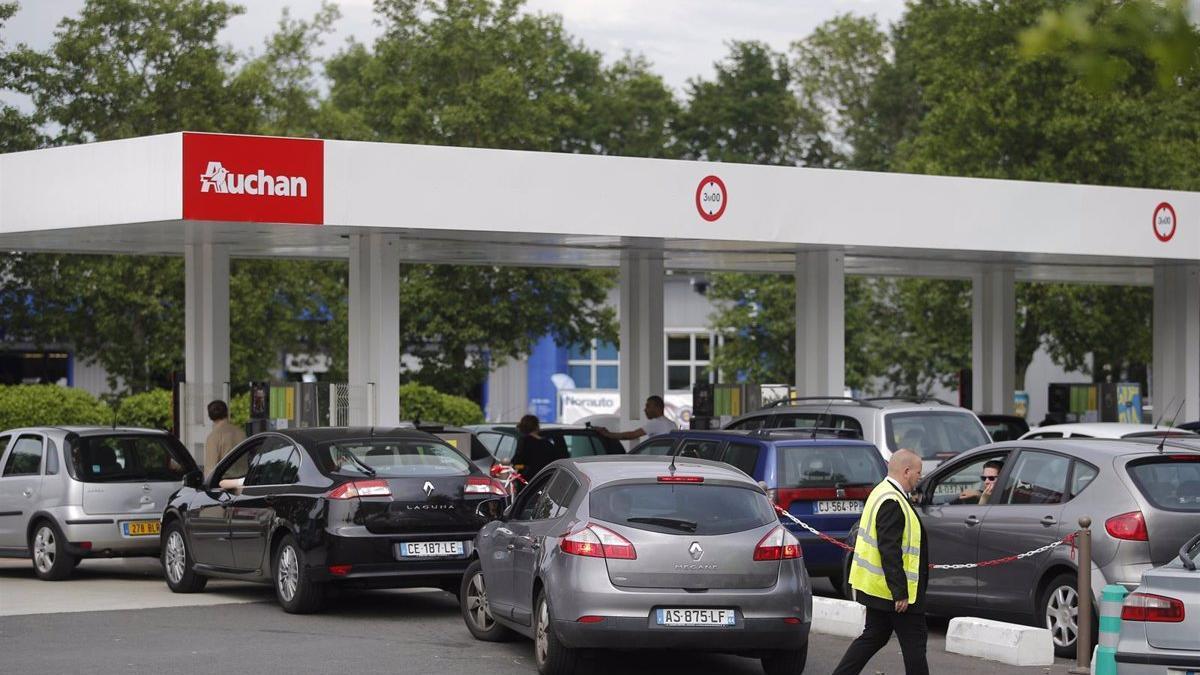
x=1164 y=415
x=1167 y=431
x=672 y=467
x=818 y=421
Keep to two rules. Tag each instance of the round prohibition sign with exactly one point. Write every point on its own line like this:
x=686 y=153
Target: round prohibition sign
x=1164 y=222
x=711 y=198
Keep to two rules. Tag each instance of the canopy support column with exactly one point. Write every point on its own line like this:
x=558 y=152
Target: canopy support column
x=374 y=351
x=820 y=323
x=993 y=340
x=1176 y=337
x=206 y=338
x=640 y=312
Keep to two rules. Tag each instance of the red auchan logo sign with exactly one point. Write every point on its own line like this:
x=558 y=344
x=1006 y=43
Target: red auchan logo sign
x=253 y=178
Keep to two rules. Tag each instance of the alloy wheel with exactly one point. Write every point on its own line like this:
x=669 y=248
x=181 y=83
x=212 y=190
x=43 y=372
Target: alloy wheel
x=540 y=638
x=45 y=548
x=1062 y=612
x=477 y=604
x=288 y=574
x=176 y=556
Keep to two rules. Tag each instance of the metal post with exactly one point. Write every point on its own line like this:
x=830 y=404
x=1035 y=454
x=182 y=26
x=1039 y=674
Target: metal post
x=1083 y=621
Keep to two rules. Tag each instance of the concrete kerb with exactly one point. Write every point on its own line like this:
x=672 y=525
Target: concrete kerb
x=838 y=617
x=1009 y=643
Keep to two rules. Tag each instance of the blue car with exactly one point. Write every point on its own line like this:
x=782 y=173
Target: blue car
x=821 y=478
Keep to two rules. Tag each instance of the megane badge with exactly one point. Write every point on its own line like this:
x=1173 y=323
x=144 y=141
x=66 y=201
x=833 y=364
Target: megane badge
x=428 y=488
x=696 y=551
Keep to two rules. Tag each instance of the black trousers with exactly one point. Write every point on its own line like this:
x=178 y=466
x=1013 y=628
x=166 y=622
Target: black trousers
x=910 y=630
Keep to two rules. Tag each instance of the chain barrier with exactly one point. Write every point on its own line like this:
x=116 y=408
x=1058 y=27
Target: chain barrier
x=1069 y=539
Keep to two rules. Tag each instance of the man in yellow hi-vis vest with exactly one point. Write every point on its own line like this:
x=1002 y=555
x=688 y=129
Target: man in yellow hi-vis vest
x=889 y=571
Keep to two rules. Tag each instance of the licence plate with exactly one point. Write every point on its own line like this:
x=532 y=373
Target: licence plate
x=839 y=506
x=140 y=528
x=696 y=617
x=429 y=549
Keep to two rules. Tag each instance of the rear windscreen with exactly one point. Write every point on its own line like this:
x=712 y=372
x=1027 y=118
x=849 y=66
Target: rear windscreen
x=393 y=458
x=829 y=466
x=124 y=459
x=1170 y=483
x=682 y=508
x=933 y=434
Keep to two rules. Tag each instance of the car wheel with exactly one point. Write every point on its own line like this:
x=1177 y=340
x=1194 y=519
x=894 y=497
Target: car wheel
x=297 y=592
x=51 y=562
x=1059 y=612
x=790 y=662
x=177 y=562
x=476 y=611
x=551 y=656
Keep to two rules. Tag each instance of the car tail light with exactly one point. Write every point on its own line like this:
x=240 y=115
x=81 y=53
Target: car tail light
x=339 y=570
x=482 y=485
x=361 y=488
x=84 y=545
x=681 y=479
x=1150 y=607
x=590 y=619
x=791 y=620
x=593 y=541
x=1130 y=526
x=779 y=544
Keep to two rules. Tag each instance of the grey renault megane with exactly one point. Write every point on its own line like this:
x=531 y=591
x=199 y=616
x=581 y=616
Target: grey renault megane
x=634 y=552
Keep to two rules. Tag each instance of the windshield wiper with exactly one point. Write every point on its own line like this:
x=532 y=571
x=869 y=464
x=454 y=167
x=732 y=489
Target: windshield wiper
x=362 y=466
x=675 y=523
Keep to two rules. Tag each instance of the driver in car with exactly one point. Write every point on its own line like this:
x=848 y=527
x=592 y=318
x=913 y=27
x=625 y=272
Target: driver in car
x=986 y=492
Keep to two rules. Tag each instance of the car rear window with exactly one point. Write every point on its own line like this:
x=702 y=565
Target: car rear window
x=124 y=459
x=390 y=457
x=1170 y=482
x=829 y=466
x=934 y=434
x=699 y=509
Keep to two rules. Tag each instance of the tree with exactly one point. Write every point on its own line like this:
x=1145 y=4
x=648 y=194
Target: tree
x=18 y=131
x=919 y=332
x=631 y=111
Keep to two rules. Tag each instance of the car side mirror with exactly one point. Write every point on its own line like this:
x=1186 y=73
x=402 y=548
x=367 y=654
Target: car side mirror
x=193 y=479
x=490 y=509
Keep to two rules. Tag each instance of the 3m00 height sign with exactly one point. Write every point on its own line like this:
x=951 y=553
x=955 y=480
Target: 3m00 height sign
x=253 y=178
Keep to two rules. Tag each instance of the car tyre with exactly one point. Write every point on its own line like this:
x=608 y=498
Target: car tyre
x=553 y=658
x=789 y=662
x=178 y=566
x=476 y=612
x=48 y=549
x=294 y=586
x=1058 y=610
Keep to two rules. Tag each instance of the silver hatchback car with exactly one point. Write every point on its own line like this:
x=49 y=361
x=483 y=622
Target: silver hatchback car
x=633 y=552
x=68 y=493
x=1160 y=623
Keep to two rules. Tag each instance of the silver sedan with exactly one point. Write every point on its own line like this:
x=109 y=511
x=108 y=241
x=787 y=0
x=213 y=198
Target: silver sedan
x=1160 y=622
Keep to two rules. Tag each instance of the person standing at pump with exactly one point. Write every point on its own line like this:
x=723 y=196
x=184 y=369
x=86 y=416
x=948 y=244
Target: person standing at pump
x=533 y=452
x=890 y=572
x=656 y=423
x=223 y=437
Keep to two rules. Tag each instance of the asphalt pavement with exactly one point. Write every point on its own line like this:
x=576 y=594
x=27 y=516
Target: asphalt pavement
x=118 y=616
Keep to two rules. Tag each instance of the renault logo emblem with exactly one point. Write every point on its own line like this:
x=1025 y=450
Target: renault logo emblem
x=428 y=488
x=696 y=551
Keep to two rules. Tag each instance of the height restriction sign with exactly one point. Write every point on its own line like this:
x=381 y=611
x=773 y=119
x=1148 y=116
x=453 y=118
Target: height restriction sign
x=711 y=198
x=1164 y=221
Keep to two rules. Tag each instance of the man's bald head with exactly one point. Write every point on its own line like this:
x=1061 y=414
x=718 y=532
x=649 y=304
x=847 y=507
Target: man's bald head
x=904 y=467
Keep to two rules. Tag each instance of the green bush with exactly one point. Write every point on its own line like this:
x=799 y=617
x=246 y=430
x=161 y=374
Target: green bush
x=239 y=409
x=420 y=402
x=151 y=409
x=32 y=405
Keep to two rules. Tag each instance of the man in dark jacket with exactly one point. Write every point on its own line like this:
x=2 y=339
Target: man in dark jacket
x=892 y=602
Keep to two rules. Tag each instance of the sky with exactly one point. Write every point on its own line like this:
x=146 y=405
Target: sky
x=682 y=38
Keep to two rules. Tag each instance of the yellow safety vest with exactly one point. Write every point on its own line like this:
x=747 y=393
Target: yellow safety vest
x=866 y=569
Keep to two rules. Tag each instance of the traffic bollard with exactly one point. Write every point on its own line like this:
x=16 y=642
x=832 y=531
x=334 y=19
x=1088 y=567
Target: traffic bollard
x=1111 y=599
x=1083 y=620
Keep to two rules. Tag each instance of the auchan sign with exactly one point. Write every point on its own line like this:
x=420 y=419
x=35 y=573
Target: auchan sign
x=253 y=178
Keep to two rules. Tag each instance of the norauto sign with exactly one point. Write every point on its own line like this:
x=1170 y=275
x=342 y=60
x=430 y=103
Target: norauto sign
x=253 y=178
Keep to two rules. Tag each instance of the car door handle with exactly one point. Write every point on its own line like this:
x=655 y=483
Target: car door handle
x=28 y=492
x=972 y=521
x=1049 y=520
x=510 y=547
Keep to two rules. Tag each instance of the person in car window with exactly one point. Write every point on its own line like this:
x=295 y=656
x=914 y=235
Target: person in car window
x=986 y=492
x=655 y=424
x=534 y=452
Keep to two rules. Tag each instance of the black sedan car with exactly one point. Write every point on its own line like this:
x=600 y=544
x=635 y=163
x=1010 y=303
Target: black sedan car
x=305 y=508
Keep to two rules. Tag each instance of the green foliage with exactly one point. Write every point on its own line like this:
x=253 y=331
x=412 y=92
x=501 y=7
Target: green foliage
x=919 y=333
x=18 y=131
x=30 y=405
x=420 y=402
x=239 y=409
x=150 y=409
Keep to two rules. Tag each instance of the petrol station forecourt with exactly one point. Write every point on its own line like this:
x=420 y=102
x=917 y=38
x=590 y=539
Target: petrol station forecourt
x=212 y=197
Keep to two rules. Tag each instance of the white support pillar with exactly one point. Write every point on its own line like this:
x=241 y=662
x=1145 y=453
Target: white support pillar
x=206 y=338
x=820 y=323
x=993 y=340
x=1176 y=335
x=374 y=329
x=640 y=311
